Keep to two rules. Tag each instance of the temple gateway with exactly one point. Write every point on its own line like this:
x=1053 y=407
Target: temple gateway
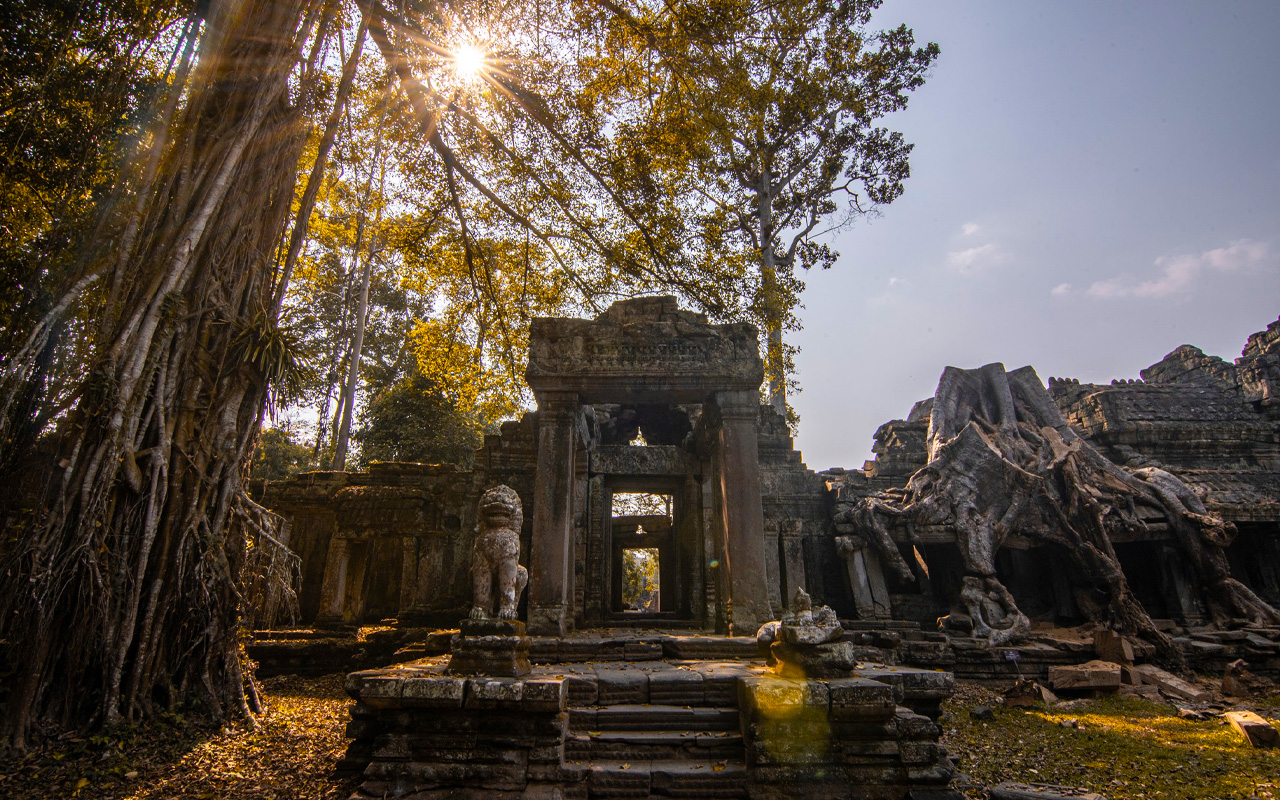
x=650 y=435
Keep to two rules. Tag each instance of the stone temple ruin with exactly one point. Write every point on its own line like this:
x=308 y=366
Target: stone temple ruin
x=996 y=514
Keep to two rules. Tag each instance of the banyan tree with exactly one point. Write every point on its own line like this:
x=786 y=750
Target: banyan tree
x=1002 y=461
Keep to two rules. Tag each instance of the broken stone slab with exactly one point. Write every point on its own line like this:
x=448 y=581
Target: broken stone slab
x=1256 y=730
x=1041 y=791
x=1111 y=646
x=1238 y=681
x=1145 y=692
x=1256 y=642
x=1090 y=676
x=1172 y=685
x=1195 y=647
x=1221 y=637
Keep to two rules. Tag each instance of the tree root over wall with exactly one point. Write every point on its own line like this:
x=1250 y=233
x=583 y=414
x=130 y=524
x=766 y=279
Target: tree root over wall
x=1003 y=461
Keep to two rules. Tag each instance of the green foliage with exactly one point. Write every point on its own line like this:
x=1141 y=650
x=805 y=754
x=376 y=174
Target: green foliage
x=413 y=420
x=279 y=455
x=276 y=355
x=759 y=120
x=640 y=579
x=77 y=79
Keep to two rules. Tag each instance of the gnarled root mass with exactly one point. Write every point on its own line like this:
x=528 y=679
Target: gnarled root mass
x=123 y=585
x=1003 y=461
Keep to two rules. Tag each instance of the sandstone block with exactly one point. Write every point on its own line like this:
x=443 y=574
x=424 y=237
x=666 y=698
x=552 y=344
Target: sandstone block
x=1111 y=646
x=1093 y=675
x=1256 y=730
x=1172 y=685
x=434 y=692
x=676 y=687
x=543 y=694
x=493 y=692
x=860 y=699
x=622 y=686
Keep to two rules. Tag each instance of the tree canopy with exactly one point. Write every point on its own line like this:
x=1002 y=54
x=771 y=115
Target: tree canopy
x=216 y=213
x=761 y=120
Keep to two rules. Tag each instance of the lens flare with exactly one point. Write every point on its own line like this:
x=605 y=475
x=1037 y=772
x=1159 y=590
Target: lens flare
x=468 y=61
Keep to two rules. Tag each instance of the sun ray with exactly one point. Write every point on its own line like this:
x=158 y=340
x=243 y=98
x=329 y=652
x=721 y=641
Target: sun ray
x=469 y=62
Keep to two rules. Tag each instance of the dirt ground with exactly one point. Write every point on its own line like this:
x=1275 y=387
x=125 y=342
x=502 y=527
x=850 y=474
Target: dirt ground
x=1121 y=748
x=289 y=753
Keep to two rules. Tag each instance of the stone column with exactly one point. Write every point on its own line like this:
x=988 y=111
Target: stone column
x=551 y=554
x=742 y=515
x=791 y=539
x=866 y=579
x=333 y=590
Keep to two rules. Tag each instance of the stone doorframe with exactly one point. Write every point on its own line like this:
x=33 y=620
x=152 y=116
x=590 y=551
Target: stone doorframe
x=646 y=350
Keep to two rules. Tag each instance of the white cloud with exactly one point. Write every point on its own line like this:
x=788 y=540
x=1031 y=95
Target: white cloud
x=895 y=281
x=1178 y=273
x=969 y=229
x=1061 y=290
x=976 y=260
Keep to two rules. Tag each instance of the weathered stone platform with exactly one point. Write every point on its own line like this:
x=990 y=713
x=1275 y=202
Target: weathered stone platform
x=648 y=728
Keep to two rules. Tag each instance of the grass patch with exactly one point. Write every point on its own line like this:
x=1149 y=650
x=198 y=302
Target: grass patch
x=1123 y=748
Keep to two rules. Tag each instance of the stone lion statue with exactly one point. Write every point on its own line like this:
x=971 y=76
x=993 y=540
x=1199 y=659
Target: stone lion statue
x=496 y=576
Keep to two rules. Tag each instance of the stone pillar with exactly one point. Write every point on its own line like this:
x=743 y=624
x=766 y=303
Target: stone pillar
x=742 y=515
x=334 y=588
x=551 y=554
x=774 y=571
x=791 y=539
x=866 y=578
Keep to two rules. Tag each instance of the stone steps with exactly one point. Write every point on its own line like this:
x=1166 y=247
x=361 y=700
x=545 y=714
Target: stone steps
x=657 y=750
x=652 y=718
x=647 y=745
x=662 y=778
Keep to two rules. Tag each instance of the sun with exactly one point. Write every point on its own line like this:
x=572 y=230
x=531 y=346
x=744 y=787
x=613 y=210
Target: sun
x=468 y=61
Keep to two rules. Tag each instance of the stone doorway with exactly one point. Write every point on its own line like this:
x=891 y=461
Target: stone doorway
x=648 y=358
x=652 y=530
x=642 y=553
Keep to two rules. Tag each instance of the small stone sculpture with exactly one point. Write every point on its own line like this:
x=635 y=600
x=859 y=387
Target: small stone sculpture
x=496 y=575
x=805 y=643
x=804 y=625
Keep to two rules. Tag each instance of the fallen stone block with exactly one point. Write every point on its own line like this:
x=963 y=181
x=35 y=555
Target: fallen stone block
x=1172 y=685
x=1151 y=693
x=1092 y=675
x=1256 y=730
x=1111 y=646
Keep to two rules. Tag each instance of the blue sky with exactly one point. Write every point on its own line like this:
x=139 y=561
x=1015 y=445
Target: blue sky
x=1094 y=184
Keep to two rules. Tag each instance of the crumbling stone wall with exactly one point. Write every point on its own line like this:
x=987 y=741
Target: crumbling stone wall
x=389 y=542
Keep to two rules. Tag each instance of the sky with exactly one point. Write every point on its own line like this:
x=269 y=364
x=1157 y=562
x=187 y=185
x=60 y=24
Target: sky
x=1093 y=184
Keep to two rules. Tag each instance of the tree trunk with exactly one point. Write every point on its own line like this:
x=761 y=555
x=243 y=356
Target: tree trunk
x=362 y=314
x=775 y=368
x=316 y=178
x=125 y=587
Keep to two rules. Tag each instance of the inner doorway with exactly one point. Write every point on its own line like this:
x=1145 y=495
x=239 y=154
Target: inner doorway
x=643 y=555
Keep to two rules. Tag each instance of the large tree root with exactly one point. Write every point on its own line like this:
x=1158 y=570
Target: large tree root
x=1003 y=461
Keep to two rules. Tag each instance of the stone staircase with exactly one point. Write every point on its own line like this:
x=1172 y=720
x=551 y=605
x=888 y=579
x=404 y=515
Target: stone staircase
x=644 y=750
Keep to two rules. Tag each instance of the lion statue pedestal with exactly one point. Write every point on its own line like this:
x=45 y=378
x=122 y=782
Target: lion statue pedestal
x=492 y=641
